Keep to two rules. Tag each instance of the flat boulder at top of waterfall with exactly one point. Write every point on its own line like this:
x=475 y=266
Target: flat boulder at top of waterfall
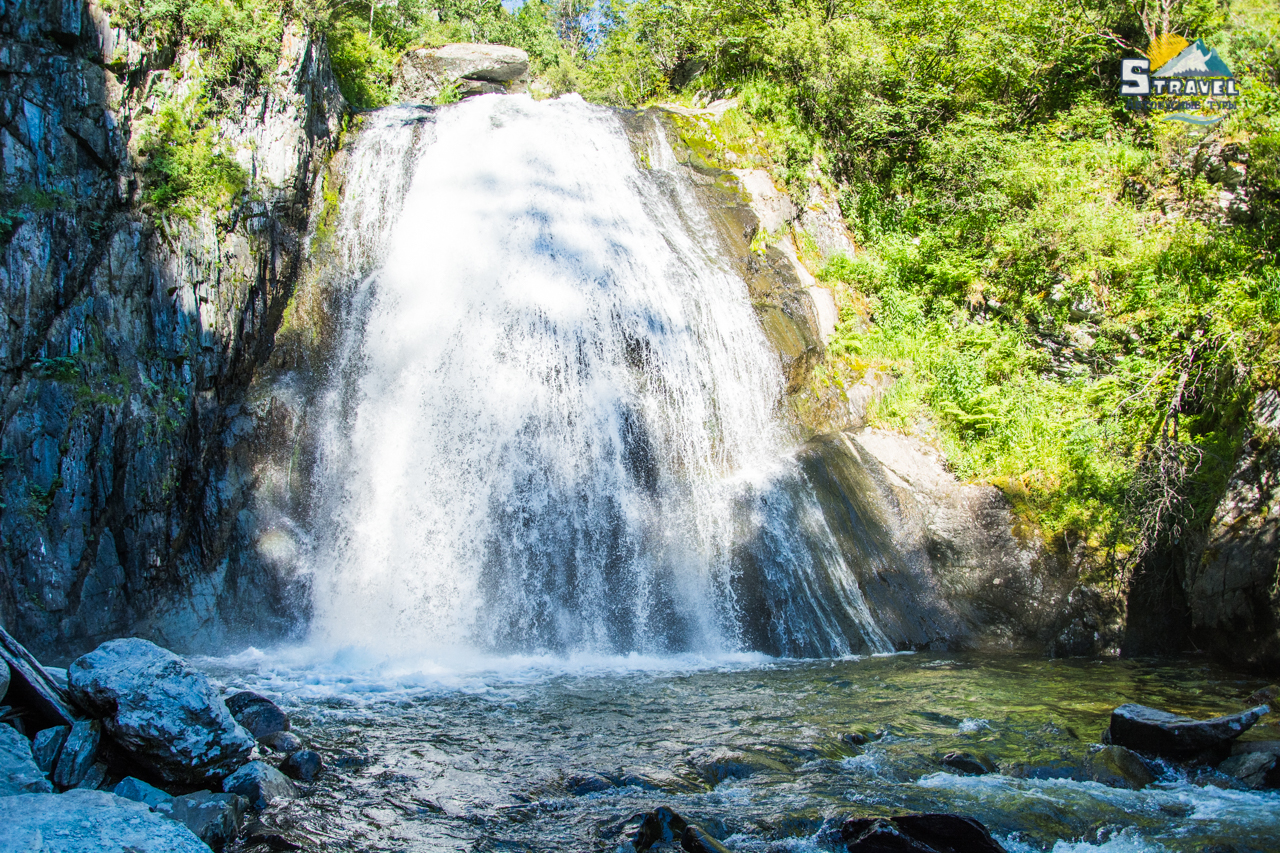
x=1174 y=736
x=422 y=74
x=161 y=709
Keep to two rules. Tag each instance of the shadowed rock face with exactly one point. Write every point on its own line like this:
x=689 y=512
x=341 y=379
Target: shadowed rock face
x=1232 y=589
x=939 y=561
x=132 y=337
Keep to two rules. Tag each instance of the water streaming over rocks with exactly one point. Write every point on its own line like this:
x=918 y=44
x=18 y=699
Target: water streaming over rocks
x=553 y=424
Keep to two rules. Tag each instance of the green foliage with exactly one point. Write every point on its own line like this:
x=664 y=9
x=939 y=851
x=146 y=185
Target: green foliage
x=241 y=38
x=187 y=170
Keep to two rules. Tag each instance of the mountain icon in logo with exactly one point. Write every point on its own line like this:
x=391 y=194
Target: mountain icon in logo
x=1195 y=60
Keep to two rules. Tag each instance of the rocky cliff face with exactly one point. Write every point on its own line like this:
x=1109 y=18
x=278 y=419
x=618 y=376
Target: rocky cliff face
x=1233 y=589
x=131 y=338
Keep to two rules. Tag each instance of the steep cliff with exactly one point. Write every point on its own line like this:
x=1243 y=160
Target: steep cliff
x=133 y=333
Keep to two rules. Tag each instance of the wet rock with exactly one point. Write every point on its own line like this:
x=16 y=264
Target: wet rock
x=1156 y=732
x=717 y=765
x=140 y=792
x=46 y=745
x=4 y=678
x=918 y=833
x=1117 y=767
x=19 y=773
x=660 y=826
x=78 y=754
x=304 y=765
x=1269 y=695
x=856 y=738
x=695 y=839
x=161 y=709
x=258 y=714
x=967 y=763
x=213 y=818
x=80 y=821
x=261 y=784
x=285 y=742
x=1254 y=770
x=586 y=783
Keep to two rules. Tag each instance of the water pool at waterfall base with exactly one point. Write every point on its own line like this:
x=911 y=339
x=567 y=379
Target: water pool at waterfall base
x=552 y=754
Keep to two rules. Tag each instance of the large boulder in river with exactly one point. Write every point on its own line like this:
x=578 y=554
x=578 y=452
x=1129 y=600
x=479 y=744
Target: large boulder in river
x=81 y=820
x=161 y=709
x=1174 y=736
x=422 y=74
x=918 y=833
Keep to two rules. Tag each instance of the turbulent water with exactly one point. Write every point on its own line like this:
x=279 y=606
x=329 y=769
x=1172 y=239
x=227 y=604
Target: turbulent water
x=554 y=424
x=556 y=754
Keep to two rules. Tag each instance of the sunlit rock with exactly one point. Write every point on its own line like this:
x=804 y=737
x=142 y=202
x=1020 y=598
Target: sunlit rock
x=1155 y=732
x=161 y=709
x=80 y=821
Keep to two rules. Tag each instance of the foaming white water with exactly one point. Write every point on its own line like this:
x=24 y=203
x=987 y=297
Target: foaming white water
x=554 y=415
x=360 y=676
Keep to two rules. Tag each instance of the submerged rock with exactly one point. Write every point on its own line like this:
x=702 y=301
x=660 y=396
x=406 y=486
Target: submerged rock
x=78 y=754
x=918 y=833
x=161 y=709
x=19 y=773
x=717 y=765
x=695 y=839
x=967 y=763
x=213 y=818
x=261 y=784
x=1249 y=769
x=140 y=792
x=258 y=714
x=304 y=765
x=586 y=783
x=1118 y=767
x=1155 y=732
x=80 y=821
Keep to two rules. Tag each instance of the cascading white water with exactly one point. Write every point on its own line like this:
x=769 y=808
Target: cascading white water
x=553 y=421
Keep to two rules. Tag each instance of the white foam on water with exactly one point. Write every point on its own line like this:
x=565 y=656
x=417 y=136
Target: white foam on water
x=362 y=676
x=1242 y=813
x=1125 y=841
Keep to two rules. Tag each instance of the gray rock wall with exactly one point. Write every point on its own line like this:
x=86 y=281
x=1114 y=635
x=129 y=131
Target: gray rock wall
x=125 y=457
x=1233 y=589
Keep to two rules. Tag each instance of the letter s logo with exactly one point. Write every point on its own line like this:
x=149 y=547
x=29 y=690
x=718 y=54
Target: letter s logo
x=1133 y=77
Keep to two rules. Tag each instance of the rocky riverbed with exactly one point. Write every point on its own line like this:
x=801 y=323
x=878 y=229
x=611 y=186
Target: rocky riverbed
x=765 y=755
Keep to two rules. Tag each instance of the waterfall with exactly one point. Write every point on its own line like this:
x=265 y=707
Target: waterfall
x=552 y=424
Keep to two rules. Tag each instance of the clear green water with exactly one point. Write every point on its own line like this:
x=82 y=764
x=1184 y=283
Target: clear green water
x=480 y=762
